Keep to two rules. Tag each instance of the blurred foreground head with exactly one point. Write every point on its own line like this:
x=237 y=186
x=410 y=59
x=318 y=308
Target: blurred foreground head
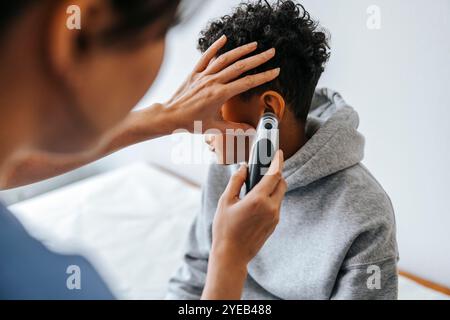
x=71 y=83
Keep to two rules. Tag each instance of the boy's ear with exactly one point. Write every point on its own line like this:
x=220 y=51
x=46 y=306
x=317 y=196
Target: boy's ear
x=274 y=102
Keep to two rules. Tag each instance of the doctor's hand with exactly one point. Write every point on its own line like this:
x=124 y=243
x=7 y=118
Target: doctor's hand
x=240 y=229
x=213 y=81
x=200 y=98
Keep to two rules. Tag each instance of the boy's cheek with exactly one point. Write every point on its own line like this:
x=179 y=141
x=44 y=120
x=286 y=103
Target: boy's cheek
x=231 y=149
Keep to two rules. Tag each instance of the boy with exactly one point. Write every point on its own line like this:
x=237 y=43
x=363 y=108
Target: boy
x=336 y=236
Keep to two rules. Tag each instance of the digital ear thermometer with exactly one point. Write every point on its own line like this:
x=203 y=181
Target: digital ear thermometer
x=263 y=150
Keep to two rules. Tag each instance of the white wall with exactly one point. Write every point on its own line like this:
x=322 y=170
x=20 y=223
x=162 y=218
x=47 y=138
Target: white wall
x=398 y=79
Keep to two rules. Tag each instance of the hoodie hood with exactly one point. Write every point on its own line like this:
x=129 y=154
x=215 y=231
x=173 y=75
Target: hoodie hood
x=334 y=142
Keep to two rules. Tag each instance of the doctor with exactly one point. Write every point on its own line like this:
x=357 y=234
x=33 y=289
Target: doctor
x=70 y=92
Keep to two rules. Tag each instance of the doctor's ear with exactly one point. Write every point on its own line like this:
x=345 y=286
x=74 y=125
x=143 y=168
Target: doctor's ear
x=68 y=32
x=273 y=102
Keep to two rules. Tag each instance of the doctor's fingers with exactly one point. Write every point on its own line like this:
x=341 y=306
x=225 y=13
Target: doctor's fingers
x=238 y=68
x=235 y=184
x=279 y=192
x=211 y=64
x=221 y=62
x=272 y=178
x=209 y=54
x=249 y=82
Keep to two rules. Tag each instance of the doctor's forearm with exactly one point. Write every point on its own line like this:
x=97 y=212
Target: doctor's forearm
x=225 y=277
x=139 y=126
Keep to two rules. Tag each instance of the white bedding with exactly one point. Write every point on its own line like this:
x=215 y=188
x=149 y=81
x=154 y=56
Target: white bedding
x=131 y=223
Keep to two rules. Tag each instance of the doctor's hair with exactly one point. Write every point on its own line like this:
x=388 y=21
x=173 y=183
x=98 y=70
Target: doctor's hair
x=301 y=47
x=131 y=17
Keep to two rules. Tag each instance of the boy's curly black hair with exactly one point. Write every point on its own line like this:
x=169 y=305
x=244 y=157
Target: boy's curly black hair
x=301 y=47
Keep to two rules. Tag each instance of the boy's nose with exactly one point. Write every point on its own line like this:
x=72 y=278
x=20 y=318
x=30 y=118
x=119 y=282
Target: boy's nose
x=229 y=148
x=209 y=139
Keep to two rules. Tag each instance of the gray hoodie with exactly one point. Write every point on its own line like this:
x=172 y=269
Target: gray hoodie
x=336 y=236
